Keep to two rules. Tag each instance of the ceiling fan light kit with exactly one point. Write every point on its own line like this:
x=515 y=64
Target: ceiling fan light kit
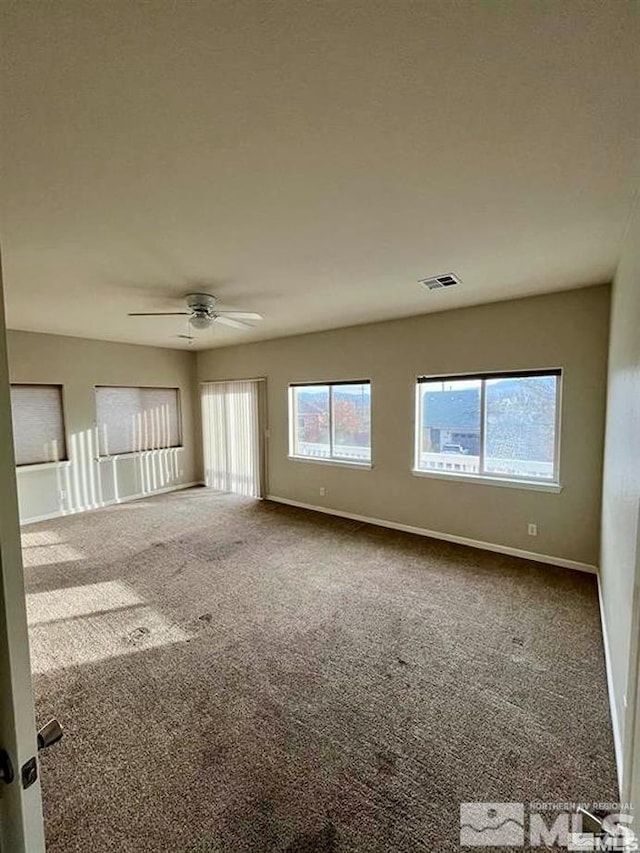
x=201 y=321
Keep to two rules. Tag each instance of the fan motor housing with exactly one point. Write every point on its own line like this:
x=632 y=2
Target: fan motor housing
x=201 y=303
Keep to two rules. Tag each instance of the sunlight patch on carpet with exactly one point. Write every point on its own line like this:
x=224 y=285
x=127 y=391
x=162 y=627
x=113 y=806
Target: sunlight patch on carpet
x=113 y=630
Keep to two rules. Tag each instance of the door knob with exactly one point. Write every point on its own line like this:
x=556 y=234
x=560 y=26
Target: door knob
x=49 y=734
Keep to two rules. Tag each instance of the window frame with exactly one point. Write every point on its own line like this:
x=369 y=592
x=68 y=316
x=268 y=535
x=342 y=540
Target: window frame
x=133 y=453
x=492 y=478
x=49 y=463
x=331 y=459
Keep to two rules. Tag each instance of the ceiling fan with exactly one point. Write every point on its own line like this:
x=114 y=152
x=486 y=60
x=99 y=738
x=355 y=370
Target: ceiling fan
x=202 y=313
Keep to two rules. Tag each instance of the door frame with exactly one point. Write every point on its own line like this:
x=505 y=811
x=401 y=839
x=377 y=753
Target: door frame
x=21 y=822
x=631 y=749
x=263 y=427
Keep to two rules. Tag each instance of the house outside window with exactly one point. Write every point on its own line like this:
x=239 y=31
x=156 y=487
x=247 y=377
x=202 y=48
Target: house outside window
x=498 y=426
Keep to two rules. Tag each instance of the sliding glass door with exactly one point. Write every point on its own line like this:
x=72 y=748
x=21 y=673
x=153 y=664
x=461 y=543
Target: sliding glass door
x=232 y=436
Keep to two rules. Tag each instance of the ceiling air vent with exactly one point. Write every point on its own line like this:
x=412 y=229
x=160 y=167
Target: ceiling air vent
x=439 y=281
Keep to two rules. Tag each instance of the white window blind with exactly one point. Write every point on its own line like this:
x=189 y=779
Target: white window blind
x=231 y=434
x=38 y=424
x=135 y=419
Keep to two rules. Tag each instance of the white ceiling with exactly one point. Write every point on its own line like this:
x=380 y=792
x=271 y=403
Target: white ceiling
x=308 y=160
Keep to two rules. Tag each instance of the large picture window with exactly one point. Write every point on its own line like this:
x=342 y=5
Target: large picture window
x=38 y=424
x=331 y=422
x=135 y=419
x=494 y=425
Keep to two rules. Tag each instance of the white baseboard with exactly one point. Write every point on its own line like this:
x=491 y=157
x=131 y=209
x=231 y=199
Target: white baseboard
x=447 y=537
x=62 y=513
x=615 y=722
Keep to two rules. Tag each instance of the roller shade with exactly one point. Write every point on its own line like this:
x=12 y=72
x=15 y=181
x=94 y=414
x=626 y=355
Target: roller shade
x=511 y=374
x=135 y=419
x=38 y=424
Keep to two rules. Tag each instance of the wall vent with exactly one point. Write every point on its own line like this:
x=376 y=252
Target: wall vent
x=439 y=281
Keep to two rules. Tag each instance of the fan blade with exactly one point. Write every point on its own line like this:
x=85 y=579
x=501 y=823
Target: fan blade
x=159 y=314
x=228 y=321
x=241 y=315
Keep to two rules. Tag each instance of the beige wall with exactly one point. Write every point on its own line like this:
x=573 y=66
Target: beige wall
x=79 y=365
x=567 y=330
x=621 y=488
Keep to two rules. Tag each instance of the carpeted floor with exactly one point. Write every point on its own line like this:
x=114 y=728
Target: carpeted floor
x=235 y=675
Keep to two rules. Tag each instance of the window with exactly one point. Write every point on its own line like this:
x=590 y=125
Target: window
x=331 y=422
x=502 y=426
x=135 y=419
x=38 y=424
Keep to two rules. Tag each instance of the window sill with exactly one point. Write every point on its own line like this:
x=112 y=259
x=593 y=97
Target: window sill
x=531 y=485
x=136 y=453
x=367 y=466
x=43 y=466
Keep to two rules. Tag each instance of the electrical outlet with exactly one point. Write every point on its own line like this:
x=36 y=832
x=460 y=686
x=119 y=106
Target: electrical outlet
x=323 y=491
x=532 y=529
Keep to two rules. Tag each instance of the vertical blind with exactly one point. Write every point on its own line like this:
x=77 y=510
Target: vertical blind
x=38 y=424
x=231 y=436
x=135 y=419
